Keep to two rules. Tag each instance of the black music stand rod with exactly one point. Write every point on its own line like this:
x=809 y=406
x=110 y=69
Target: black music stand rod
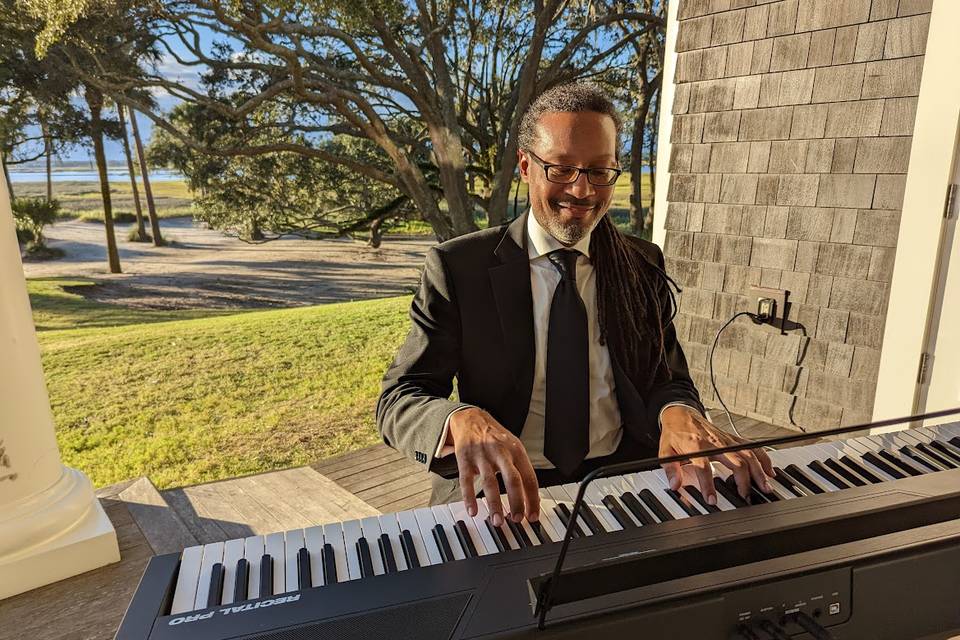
x=547 y=586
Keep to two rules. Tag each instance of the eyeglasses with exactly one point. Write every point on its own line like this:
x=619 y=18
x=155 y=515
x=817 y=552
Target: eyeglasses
x=566 y=174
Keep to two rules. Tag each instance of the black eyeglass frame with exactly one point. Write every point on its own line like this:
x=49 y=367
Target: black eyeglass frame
x=580 y=170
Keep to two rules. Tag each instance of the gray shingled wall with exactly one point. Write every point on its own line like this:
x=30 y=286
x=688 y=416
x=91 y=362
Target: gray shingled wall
x=792 y=124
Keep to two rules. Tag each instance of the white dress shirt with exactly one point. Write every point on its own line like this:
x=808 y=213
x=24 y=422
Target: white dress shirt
x=606 y=428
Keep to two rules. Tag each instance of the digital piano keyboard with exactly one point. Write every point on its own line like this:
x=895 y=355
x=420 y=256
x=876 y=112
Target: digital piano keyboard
x=859 y=536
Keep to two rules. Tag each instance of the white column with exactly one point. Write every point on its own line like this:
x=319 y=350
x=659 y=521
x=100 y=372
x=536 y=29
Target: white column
x=51 y=524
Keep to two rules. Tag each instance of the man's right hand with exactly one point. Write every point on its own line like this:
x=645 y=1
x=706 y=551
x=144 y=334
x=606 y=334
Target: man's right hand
x=485 y=448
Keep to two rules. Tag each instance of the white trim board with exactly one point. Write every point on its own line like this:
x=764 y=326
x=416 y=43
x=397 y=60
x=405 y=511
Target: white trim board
x=931 y=158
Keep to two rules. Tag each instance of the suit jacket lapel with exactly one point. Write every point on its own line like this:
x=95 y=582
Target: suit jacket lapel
x=510 y=281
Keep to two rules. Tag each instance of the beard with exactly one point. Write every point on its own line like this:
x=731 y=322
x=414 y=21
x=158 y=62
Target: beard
x=573 y=231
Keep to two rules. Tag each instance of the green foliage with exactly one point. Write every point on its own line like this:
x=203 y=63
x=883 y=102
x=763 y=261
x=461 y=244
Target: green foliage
x=34 y=214
x=24 y=235
x=212 y=397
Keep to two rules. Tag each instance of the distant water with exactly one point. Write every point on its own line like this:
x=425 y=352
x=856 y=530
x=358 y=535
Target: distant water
x=88 y=176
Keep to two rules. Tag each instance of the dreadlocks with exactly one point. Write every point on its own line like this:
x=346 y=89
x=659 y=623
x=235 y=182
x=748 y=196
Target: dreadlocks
x=629 y=289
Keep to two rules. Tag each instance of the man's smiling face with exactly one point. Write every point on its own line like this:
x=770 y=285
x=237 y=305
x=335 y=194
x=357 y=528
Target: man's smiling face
x=584 y=139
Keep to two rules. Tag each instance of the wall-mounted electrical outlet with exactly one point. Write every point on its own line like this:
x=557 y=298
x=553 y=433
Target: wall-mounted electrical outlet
x=772 y=300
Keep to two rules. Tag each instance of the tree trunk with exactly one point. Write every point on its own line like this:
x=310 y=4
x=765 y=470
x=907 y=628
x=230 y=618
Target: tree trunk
x=95 y=104
x=48 y=153
x=6 y=175
x=652 y=159
x=376 y=233
x=147 y=191
x=141 y=230
x=636 y=170
x=256 y=234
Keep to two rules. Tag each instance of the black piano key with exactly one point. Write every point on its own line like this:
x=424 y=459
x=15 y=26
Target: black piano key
x=900 y=463
x=215 y=594
x=563 y=512
x=329 y=562
x=498 y=536
x=752 y=497
x=797 y=474
x=955 y=441
x=591 y=519
x=787 y=482
x=540 y=532
x=951 y=447
x=844 y=472
x=946 y=450
x=386 y=552
x=618 y=512
x=519 y=534
x=304 y=579
x=730 y=494
x=466 y=542
x=241 y=580
x=631 y=502
x=861 y=469
x=828 y=475
x=409 y=550
x=696 y=495
x=266 y=576
x=366 y=560
x=917 y=458
x=688 y=508
x=883 y=465
x=938 y=456
x=446 y=551
x=768 y=497
x=656 y=507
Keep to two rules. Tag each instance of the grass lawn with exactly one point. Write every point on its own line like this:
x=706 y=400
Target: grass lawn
x=187 y=397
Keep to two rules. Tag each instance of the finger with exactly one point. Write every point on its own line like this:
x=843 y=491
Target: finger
x=704 y=472
x=674 y=475
x=765 y=462
x=491 y=493
x=514 y=487
x=741 y=472
x=756 y=470
x=468 y=491
x=531 y=489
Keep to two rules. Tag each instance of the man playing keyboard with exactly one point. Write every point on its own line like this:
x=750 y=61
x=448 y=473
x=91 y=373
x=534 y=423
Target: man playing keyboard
x=558 y=330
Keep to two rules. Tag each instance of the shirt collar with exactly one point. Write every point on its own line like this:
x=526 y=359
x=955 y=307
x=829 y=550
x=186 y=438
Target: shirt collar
x=540 y=242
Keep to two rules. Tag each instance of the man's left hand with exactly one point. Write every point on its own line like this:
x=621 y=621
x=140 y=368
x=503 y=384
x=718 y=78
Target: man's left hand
x=685 y=430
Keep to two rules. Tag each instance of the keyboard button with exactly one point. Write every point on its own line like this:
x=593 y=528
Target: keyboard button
x=313 y=541
x=371 y=531
x=212 y=555
x=333 y=535
x=293 y=541
x=266 y=576
x=443 y=515
x=328 y=560
x=615 y=508
x=363 y=558
x=411 y=555
x=303 y=569
x=797 y=474
x=390 y=527
x=273 y=544
x=232 y=554
x=185 y=593
x=386 y=551
x=696 y=495
x=466 y=541
x=845 y=473
x=215 y=588
x=636 y=508
x=824 y=472
x=252 y=553
x=241 y=578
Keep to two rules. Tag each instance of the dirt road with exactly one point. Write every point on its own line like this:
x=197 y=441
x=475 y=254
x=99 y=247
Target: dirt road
x=204 y=268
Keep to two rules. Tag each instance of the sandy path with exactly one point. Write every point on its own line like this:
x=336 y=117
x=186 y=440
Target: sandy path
x=204 y=268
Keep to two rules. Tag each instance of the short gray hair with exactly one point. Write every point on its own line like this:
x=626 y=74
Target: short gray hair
x=572 y=97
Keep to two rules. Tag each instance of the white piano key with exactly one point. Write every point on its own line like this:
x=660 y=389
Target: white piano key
x=212 y=554
x=292 y=543
x=408 y=522
x=333 y=535
x=274 y=545
x=459 y=512
x=313 y=541
x=480 y=520
x=232 y=554
x=253 y=552
x=426 y=522
x=351 y=535
x=443 y=516
x=523 y=524
x=549 y=519
x=372 y=531
x=185 y=593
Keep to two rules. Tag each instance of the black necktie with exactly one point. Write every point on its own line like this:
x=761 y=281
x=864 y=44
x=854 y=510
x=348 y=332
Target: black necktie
x=567 y=414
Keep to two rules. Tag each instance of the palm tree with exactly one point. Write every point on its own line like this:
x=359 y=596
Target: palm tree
x=145 y=174
x=141 y=230
x=94 y=100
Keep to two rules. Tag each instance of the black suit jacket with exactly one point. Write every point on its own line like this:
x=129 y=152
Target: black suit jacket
x=472 y=319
